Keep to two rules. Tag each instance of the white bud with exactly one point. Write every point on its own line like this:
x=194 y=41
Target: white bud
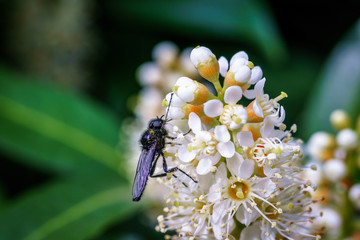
x=149 y=74
x=340 y=119
x=347 y=139
x=334 y=169
x=239 y=55
x=354 y=195
x=185 y=89
x=201 y=55
x=165 y=53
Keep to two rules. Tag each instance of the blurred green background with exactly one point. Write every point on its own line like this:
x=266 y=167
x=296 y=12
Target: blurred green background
x=67 y=68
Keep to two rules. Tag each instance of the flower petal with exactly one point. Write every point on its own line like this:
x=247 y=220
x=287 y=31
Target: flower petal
x=256 y=75
x=175 y=100
x=245 y=138
x=238 y=55
x=219 y=210
x=249 y=94
x=233 y=94
x=257 y=109
x=234 y=163
x=243 y=74
x=243 y=216
x=213 y=108
x=223 y=65
x=246 y=169
x=252 y=233
x=264 y=184
x=175 y=113
x=194 y=122
x=185 y=155
x=215 y=159
x=204 y=166
x=221 y=133
x=259 y=87
x=226 y=149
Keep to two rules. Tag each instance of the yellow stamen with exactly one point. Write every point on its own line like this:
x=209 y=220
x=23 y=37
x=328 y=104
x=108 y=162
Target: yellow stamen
x=250 y=65
x=281 y=96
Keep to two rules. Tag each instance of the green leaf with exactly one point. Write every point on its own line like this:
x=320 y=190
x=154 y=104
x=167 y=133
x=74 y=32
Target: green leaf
x=70 y=209
x=52 y=129
x=239 y=21
x=338 y=86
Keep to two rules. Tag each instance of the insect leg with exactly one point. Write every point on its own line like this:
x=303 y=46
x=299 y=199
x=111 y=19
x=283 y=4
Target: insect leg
x=174 y=169
x=187 y=132
x=153 y=166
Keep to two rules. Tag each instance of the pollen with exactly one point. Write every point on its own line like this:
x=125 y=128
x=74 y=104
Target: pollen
x=238 y=190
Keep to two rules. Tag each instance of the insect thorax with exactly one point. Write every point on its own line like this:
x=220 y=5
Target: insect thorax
x=152 y=136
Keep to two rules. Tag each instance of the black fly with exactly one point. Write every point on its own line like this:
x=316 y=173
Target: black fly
x=153 y=144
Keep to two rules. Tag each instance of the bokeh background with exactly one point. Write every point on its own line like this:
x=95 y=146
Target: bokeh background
x=67 y=72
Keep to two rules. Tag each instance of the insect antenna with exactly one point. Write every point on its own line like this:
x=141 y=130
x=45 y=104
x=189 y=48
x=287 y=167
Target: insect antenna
x=167 y=111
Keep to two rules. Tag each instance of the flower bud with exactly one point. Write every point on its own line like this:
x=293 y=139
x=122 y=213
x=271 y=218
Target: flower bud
x=354 y=195
x=205 y=62
x=340 y=120
x=321 y=145
x=165 y=53
x=334 y=169
x=347 y=139
x=191 y=91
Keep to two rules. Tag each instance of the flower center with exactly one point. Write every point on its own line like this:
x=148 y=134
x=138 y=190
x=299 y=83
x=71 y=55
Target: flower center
x=233 y=116
x=269 y=106
x=206 y=147
x=238 y=190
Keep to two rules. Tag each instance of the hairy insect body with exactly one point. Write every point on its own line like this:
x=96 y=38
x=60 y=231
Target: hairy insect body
x=153 y=136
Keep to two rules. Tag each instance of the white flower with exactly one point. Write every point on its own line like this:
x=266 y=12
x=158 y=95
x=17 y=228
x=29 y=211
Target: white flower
x=331 y=220
x=354 y=195
x=347 y=139
x=334 y=169
x=232 y=115
x=235 y=196
x=243 y=70
x=207 y=147
x=192 y=215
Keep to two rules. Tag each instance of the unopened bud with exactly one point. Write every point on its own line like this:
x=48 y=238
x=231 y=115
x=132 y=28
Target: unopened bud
x=206 y=63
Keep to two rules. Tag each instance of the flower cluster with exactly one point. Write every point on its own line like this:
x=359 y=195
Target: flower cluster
x=337 y=160
x=245 y=161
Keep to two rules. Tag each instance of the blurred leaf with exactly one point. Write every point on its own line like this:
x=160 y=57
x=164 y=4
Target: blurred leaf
x=293 y=77
x=247 y=20
x=76 y=209
x=52 y=129
x=338 y=87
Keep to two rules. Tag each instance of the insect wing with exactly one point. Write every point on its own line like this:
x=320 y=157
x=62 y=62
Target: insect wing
x=142 y=172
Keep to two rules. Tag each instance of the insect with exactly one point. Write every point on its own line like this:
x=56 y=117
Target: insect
x=153 y=144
